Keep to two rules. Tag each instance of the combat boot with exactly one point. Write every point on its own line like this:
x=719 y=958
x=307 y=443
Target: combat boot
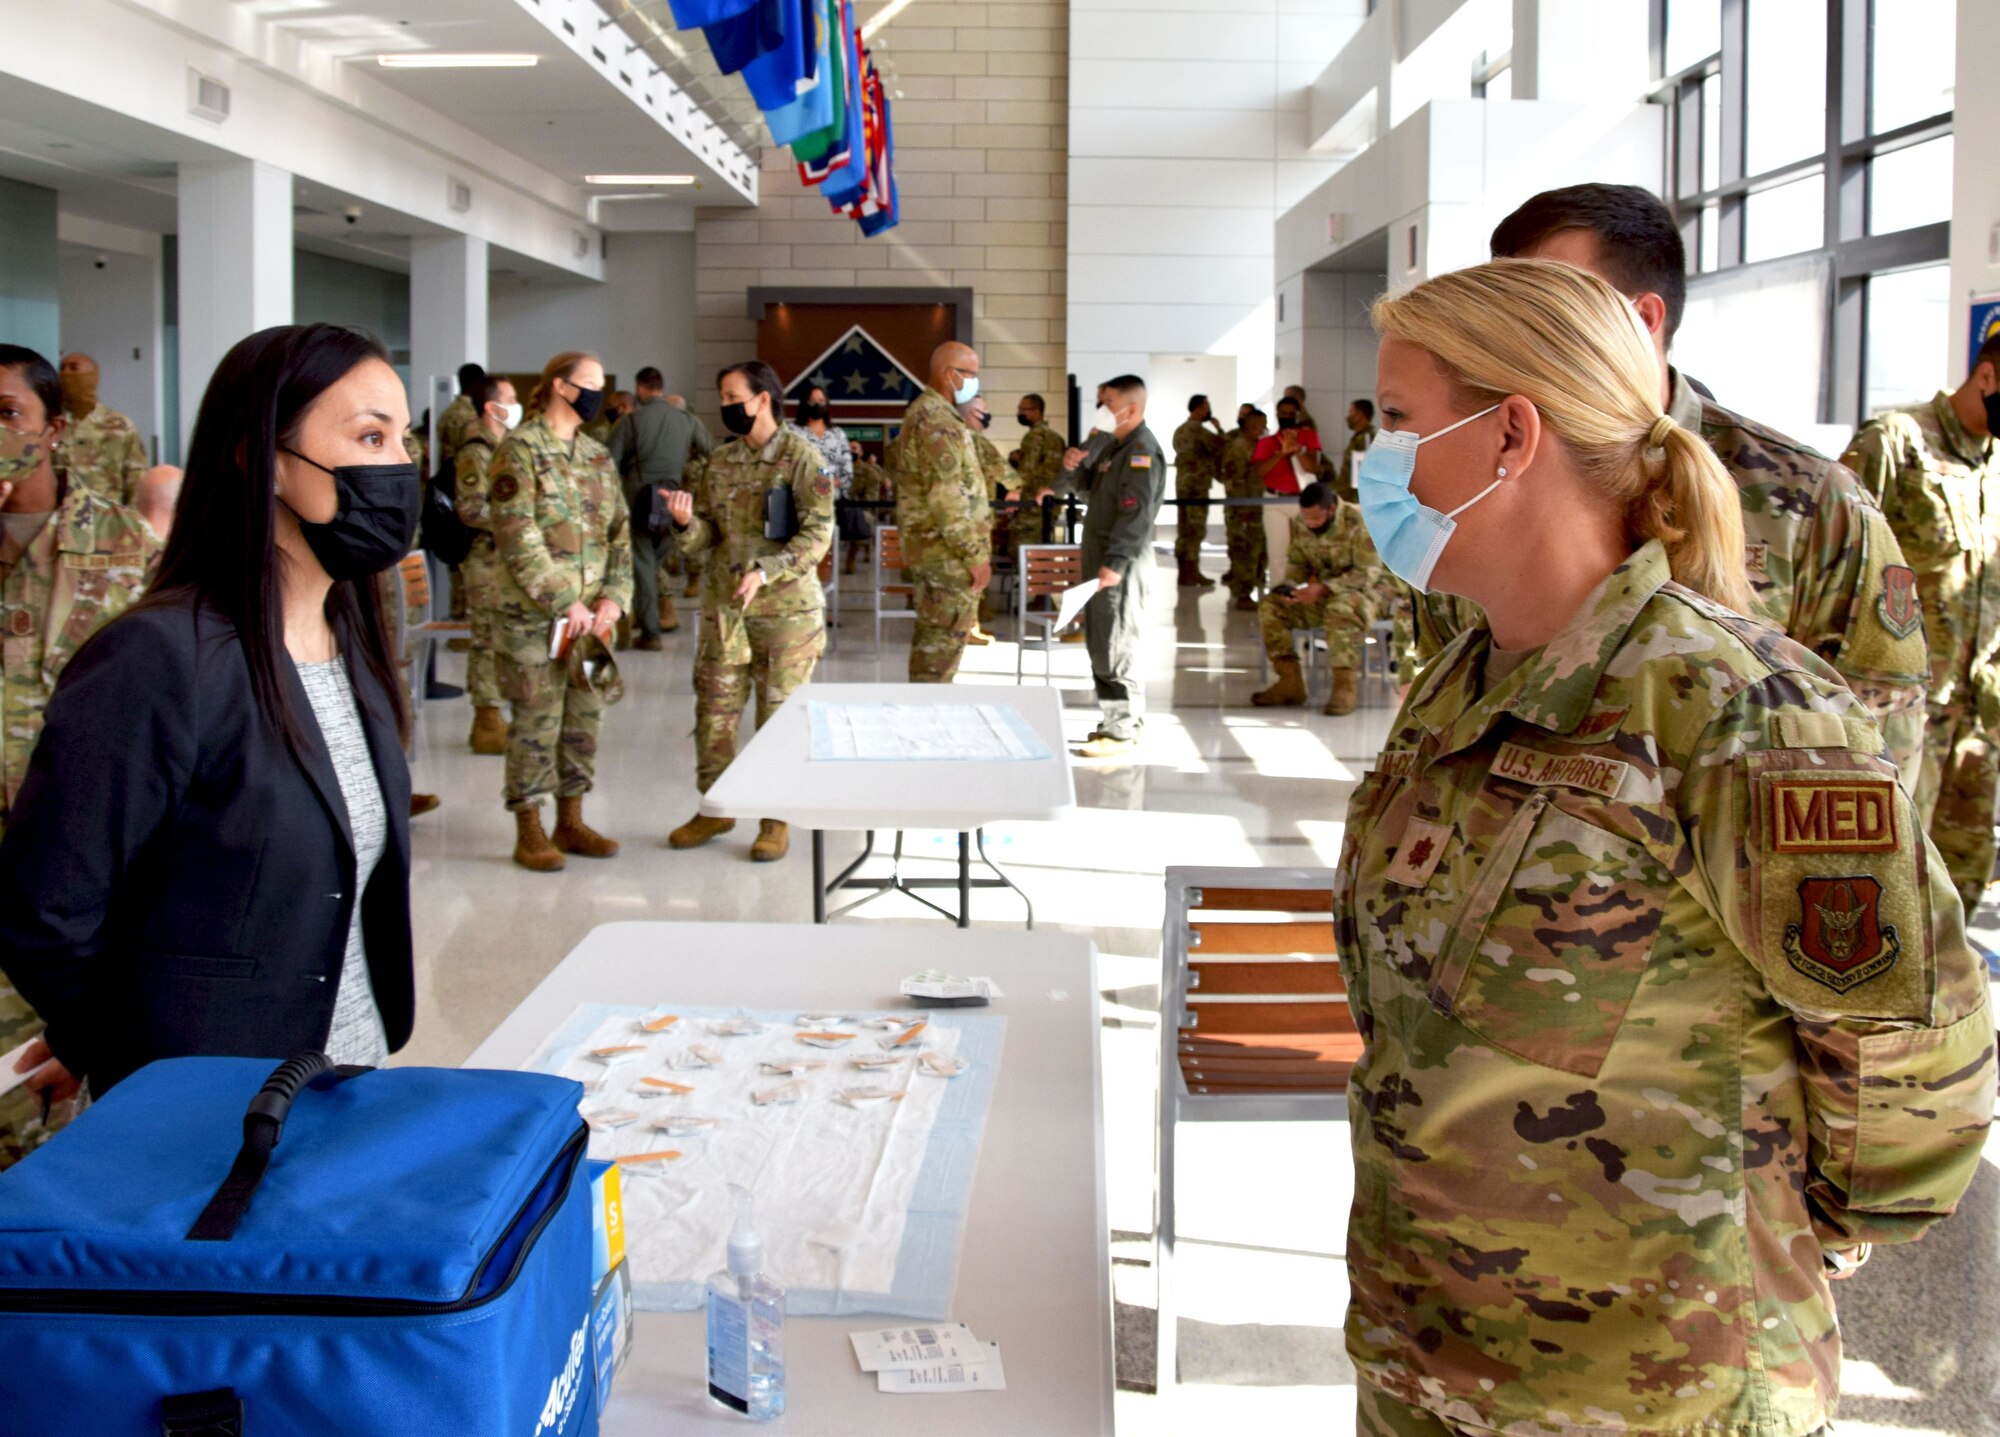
x=1191 y=576
x=1244 y=602
x=774 y=841
x=693 y=587
x=532 y=849
x=669 y=620
x=1346 y=695
x=573 y=835
x=1288 y=690
x=699 y=830
x=489 y=731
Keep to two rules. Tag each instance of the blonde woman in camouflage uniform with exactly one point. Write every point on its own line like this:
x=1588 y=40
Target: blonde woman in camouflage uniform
x=561 y=530
x=763 y=616
x=70 y=561
x=1638 y=927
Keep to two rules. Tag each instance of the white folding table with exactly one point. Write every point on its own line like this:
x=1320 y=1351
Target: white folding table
x=775 y=776
x=1035 y=1275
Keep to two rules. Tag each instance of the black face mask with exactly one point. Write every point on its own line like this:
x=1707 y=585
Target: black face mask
x=1026 y=421
x=737 y=419
x=809 y=412
x=376 y=522
x=1284 y=423
x=1993 y=414
x=588 y=404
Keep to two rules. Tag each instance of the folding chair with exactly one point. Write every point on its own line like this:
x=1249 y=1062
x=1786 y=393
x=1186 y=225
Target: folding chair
x=1255 y=1028
x=1378 y=654
x=1045 y=571
x=888 y=581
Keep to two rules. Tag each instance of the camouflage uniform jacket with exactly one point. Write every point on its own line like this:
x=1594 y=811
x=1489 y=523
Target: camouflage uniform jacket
x=1041 y=470
x=1127 y=478
x=1940 y=488
x=1197 y=454
x=943 y=512
x=1652 y=963
x=560 y=524
x=992 y=467
x=1239 y=475
x=871 y=481
x=103 y=452
x=1341 y=556
x=1350 y=457
x=84 y=567
x=1824 y=565
x=458 y=423
x=729 y=522
x=474 y=463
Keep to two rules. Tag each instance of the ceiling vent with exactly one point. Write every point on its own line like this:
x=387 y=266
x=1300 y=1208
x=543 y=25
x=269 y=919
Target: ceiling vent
x=457 y=195
x=208 y=99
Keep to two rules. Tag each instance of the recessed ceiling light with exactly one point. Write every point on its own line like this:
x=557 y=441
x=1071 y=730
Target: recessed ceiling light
x=638 y=179
x=441 y=60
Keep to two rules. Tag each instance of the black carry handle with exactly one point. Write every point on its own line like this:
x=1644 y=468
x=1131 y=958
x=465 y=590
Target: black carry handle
x=263 y=1123
x=216 y=1413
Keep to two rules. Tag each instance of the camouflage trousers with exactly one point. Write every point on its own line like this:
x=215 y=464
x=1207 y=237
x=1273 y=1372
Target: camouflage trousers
x=784 y=650
x=1026 y=527
x=552 y=740
x=1955 y=798
x=479 y=576
x=22 y=1127
x=946 y=613
x=1377 y=1414
x=1345 y=616
x=1244 y=525
x=1192 y=525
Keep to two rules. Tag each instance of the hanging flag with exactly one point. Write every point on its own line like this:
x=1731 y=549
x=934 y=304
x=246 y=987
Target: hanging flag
x=846 y=188
x=813 y=110
x=838 y=169
x=880 y=210
x=817 y=145
x=693 y=14
x=778 y=76
x=757 y=27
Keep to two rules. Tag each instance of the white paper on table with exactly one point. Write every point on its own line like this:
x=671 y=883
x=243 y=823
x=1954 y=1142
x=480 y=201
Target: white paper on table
x=9 y=1079
x=908 y=732
x=985 y=1375
x=889 y=1348
x=1073 y=600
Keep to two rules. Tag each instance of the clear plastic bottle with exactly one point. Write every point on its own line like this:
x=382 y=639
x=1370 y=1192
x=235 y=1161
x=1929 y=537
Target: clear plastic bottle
x=746 y=1326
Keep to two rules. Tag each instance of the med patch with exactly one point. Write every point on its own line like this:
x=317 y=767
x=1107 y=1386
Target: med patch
x=1850 y=814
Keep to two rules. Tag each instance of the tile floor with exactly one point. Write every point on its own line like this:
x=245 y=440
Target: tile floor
x=1218 y=782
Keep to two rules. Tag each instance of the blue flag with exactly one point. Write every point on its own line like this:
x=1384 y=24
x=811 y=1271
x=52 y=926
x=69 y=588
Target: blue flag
x=777 y=76
x=847 y=180
x=758 y=27
x=693 y=14
x=813 y=109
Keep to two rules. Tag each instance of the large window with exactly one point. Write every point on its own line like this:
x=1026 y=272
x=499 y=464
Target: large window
x=1819 y=129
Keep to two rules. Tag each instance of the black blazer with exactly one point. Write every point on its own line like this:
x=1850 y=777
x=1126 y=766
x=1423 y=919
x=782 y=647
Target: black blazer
x=173 y=880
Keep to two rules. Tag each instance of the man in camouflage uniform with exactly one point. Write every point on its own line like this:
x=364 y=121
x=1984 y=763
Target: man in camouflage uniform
x=1652 y=964
x=70 y=561
x=1361 y=429
x=473 y=451
x=1198 y=448
x=1333 y=577
x=101 y=449
x=1823 y=563
x=561 y=531
x=1039 y=472
x=1244 y=523
x=943 y=515
x=772 y=642
x=1935 y=469
x=870 y=486
x=461 y=418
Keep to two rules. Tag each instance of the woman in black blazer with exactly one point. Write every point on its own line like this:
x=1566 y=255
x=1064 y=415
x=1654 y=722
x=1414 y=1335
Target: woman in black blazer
x=183 y=871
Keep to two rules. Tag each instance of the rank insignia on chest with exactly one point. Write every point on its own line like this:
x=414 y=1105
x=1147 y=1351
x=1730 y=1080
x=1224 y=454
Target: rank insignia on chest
x=1898 y=608
x=505 y=488
x=1417 y=856
x=1856 y=815
x=1840 y=940
x=1757 y=558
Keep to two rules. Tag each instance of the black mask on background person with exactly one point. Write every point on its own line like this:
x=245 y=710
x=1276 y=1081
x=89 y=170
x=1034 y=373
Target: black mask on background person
x=737 y=419
x=810 y=412
x=375 y=523
x=588 y=404
x=1992 y=402
x=1287 y=423
x=1024 y=419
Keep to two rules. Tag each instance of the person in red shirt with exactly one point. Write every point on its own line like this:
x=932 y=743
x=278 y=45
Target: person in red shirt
x=1286 y=461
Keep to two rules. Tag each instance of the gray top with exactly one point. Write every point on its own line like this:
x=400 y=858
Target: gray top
x=654 y=443
x=833 y=452
x=357 y=1035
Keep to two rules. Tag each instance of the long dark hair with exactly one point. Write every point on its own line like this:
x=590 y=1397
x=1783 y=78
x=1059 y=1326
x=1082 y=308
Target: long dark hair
x=223 y=547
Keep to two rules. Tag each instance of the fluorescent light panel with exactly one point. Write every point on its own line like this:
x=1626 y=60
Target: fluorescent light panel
x=441 y=60
x=638 y=179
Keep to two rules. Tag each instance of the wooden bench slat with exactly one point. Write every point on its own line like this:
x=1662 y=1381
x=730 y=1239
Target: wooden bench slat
x=1273 y=938
x=1271 y=1019
x=1266 y=900
x=1216 y=979
x=1244 y=1067
x=1331 y=1083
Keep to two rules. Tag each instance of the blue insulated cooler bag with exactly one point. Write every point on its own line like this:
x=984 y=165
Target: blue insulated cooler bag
x=217 y=1250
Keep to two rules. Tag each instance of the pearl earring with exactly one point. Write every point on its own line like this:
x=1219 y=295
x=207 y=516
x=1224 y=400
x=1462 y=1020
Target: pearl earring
x=1503 y=471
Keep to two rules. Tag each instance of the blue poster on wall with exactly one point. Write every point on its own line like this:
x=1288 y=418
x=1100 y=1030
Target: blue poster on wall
x=1985 y=324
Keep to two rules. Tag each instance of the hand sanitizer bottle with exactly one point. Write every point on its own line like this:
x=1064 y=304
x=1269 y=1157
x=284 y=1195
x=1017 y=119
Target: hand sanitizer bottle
x=746 y=1326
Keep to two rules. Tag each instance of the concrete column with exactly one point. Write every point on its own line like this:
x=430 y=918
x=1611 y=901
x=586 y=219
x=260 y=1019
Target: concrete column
x=235 y=265
x=447 y=316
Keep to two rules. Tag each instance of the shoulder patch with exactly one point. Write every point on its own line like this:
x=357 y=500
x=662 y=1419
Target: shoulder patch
x=1840 y=940
x=1602 y=776
x=505 y=488
x=1849 y=814
x=1130 y=501
x=1897 y=607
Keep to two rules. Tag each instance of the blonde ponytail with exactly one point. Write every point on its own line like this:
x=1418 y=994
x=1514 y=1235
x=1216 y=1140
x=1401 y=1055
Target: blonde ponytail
x=561 y=367
x=1575 y=348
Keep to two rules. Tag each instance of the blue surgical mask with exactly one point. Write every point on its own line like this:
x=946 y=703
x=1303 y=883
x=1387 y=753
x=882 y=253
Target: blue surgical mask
x=966 y=392
x=1408 y=534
